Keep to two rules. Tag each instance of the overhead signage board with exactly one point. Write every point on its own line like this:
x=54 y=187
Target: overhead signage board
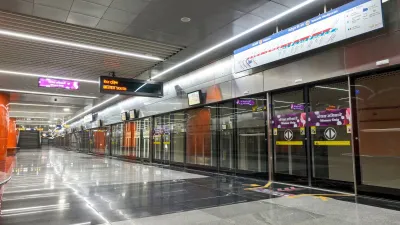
x=350 y=20
x=58 y=83
x=134 y=87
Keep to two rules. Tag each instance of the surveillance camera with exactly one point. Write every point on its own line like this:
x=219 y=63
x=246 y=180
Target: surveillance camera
x=55 y=99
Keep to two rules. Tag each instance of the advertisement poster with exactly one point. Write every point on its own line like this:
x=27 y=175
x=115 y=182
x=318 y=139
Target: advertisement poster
x=352 y=19
x=336 y=117
x=289 y=120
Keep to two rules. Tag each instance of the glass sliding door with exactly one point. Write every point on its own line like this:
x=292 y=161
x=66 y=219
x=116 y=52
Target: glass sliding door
x=251 y=141
x=289 y=136
x=137 y=140
x=166 y=138
x=178 y=137
x=157 y=139
x=226 y=126
x=99 y=141
x=145 y=127
x=117 y=139
x=161 y=138
x=329 y=121
x=201 y=148
x=377 y=102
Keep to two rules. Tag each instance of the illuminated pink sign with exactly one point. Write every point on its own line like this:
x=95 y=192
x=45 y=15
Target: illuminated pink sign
x=57 y=83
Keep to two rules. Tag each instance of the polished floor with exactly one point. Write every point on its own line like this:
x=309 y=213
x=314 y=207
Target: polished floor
x=54 y=186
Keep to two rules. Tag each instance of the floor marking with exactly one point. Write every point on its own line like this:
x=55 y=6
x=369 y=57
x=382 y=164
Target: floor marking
x=256 y=186
x=323 y=197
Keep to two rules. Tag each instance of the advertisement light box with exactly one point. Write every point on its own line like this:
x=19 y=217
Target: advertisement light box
x=57 y=83
x=350 y=20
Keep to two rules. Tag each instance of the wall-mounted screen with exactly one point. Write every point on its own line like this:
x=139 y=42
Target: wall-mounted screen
x=132 y=114
x=352 y=19
x=124 y=116
x=99 y=123
x=194 y=98
x=57 y=83
x=126 y=86
x=88 y=118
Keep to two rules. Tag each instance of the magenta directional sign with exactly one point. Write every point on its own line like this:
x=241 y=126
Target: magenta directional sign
x=58 y=83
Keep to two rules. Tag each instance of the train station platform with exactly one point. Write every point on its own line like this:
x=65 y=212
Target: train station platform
x=54 y=186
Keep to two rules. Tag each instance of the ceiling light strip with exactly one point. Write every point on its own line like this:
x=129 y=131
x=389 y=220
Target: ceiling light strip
x=42 y=105
x=38 y=112
x=46 y=93
x=76 y=45
x=89 y=110
x=46 y=76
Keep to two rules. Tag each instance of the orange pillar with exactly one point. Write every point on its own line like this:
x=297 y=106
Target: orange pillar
x=4 y=100
x=12 y=133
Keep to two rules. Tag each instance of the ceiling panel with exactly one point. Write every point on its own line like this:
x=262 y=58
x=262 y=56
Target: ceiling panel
x=18 y=6
x=101 y=2
x=88 y=8
x=50 y=13
x=269 y=10
x=119 y=16
x=133 y=6
x=60 y=4
x=111 y=26
x=83 y=20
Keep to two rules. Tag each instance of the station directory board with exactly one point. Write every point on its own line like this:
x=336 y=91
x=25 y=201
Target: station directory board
x=350 y=20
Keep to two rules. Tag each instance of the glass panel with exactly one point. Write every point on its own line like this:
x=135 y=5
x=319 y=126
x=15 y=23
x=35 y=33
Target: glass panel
x=117 y=139
x=201 y=136
x=378 y=113
x=145 y=148
x=178 y=134
x=157 y=132
x=329 y=120
x=99 y=141
x=166 y=135
x=137 y=139
x=288 y=121
x=129 y=148
x=252 y=151
x=226 y=128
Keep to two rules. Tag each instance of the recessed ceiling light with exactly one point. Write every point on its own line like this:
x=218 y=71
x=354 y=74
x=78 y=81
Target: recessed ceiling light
x=55 y=119
x=185 y=19
x=66 y=109
x=75 y=44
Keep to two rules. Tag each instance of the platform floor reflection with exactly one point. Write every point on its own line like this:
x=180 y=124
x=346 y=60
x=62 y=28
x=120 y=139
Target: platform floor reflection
x=53 y=186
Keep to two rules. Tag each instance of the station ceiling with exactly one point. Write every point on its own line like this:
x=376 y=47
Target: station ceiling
x=149 y=27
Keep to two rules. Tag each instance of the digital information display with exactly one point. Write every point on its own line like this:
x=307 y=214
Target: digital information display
x=194 y=98
x=126 y=86
x=57 y=83
x=350 y=20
